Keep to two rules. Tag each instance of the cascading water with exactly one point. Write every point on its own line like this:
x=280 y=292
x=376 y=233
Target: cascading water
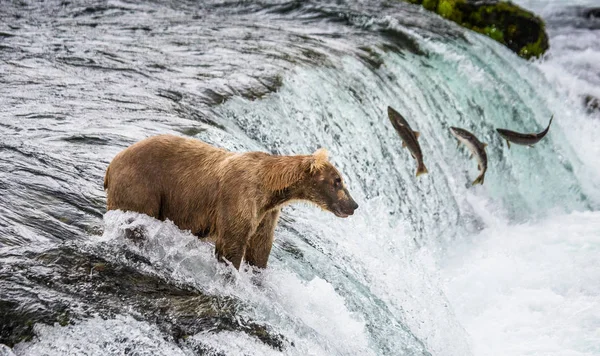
x=426 y=266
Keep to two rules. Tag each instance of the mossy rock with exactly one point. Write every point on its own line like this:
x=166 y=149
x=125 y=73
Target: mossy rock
x=518 y=29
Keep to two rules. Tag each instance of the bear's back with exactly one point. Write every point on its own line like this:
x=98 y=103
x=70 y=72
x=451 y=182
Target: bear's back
x=165 y=176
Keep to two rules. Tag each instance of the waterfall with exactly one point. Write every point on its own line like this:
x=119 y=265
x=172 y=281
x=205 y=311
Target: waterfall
x=427 y=265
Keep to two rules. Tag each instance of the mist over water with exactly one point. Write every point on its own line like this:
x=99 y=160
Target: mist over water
x=427 y=265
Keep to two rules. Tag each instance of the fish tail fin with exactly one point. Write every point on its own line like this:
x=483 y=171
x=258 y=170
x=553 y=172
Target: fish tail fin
x=421 y=169
x=479 y=180
x=543 y=133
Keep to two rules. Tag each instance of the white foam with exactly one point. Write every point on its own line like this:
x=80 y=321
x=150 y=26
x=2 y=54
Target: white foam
x=122 y=335
x=531 y=289
x=314 y=312
x=293 y=306
x=6 y=351
x=232 y=343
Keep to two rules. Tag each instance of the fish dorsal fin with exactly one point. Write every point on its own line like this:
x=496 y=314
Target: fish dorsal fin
x=484 y=145
x=417 y=134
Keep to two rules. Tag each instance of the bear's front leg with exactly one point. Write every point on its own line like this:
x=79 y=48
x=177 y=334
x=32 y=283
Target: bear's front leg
x=233 y=253
x=232 y=241
x=260 y=243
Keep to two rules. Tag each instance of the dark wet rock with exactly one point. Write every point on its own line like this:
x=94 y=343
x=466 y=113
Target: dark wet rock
x=188 y=111
x=87 y=139
x=63 y=285
x=136 y=234
x=579 y=17
x=399 y=41
x=100 y=10
x=591 y=103
x=19 y=314
x=254 y=93
x=592 y=13
x=213 y=97
x=356 y=95
x=171 y=94
x=139 y=28
x=272 y=83
x=518 y=29
x=314 y=56
x=90 y=63
x=292 y=250
x=257 y=89
x=369 y=56
x=191 y=131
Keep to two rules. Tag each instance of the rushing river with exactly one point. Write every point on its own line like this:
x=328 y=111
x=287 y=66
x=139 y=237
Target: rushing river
x=428 y=265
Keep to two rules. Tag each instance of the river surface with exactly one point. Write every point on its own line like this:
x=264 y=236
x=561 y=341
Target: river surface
x=428 y=265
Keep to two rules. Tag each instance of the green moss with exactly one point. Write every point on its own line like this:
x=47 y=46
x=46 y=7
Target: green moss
x=518 y=29
x=430 y=5
x=449 y=9
x=495 y=33
x=533 y=49
x=64 y=319
x=511 y=8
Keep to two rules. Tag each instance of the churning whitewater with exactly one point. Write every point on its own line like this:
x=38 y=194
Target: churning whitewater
x=428 y=265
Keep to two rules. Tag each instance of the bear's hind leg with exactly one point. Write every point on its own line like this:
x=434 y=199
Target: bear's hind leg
x=260 y=243
x=138 y=198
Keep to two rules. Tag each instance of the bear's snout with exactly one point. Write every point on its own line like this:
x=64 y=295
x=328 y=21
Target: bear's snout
x=345 y=207
x=350 y=207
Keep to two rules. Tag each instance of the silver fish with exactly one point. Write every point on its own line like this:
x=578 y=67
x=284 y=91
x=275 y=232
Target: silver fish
x=521 y=138
x=476 y=147
x=409 y=138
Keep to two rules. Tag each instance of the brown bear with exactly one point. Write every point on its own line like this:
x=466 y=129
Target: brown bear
x=232 y=198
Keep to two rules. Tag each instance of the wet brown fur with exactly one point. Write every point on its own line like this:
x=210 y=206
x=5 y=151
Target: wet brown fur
x=235 y=198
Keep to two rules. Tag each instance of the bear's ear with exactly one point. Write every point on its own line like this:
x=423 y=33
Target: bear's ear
x=281 y=172
x=319 y=159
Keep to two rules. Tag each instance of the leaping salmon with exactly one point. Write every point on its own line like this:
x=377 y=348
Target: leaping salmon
x=521 y=138
x=409 y=138
x=476 y=147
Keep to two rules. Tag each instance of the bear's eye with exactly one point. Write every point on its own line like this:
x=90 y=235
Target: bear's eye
x=338 y=182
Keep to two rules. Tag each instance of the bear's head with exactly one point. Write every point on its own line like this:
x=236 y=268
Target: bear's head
x=309 y=177
x=325 y=186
